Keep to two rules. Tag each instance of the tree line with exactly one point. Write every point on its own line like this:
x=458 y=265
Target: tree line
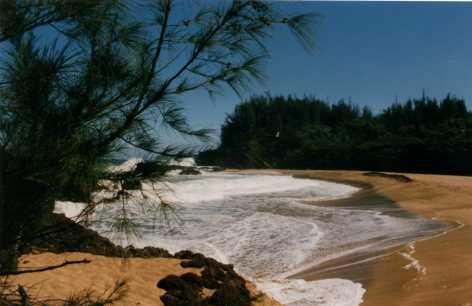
x=424 y=135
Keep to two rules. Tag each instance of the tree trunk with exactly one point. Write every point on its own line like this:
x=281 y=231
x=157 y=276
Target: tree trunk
x=23 y=205
x=4 y=250
x=2 y=202
x=8 y=247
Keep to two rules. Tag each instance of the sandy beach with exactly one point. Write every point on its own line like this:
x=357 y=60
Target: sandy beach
x=433 y=272
x=100 y=275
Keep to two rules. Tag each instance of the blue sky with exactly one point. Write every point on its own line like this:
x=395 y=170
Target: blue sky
x=368 y=52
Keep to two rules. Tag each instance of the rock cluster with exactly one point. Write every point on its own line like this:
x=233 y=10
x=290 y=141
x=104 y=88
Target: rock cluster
x=222 y=285
x=68 y=236
x=229 y=289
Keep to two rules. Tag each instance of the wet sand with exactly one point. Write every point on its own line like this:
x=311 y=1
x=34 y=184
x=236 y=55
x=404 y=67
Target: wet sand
x=432 y=272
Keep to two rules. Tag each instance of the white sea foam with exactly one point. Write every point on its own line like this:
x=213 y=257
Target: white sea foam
x=217 y=186
x=414 y=263
x=260 y=224
x=70 y=209
x=328 y=292
x=184 y=162
x=128 y=165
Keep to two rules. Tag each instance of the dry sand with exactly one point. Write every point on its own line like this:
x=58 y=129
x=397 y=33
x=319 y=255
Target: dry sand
x=100 y=275
x=446 y=260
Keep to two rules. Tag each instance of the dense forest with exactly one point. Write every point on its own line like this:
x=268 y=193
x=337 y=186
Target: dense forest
x=420 y=135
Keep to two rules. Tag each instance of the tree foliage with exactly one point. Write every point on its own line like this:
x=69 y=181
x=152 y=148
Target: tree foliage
x=421 y=135
x=81 y=81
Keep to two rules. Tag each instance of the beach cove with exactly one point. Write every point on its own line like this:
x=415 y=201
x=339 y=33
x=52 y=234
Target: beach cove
x=396 y=261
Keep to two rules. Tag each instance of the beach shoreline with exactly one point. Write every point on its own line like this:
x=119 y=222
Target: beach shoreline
x=418 y=273
x=431 y=271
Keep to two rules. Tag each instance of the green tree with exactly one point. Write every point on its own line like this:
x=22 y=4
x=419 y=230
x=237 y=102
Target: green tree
x=108 y=81
x=421 y=135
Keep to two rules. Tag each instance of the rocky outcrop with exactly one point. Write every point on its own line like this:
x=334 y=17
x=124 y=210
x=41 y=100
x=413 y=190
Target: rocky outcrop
x=65 y=235
x=218 y=284
x=189 y=171
x=229 y=289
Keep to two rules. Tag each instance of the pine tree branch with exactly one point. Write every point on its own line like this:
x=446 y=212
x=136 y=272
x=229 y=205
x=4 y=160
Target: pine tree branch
x=65 y=263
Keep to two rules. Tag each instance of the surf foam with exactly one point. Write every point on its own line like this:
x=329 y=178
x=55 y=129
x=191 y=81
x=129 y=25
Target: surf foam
x=260 y=224
x=414 y=263
x=71 y=210
x=328 y=292
x=248 y=220
x=183 y=162
x=218 y=186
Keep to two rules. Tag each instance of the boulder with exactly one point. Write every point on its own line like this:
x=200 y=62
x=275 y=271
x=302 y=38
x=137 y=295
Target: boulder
x=185 y=290
x=197 y=261
x=232 y=292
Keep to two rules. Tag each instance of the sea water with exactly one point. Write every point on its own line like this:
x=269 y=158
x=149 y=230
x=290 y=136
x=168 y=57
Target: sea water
x=261 y=224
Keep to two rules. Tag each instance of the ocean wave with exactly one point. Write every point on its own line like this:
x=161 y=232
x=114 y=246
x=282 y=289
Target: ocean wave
x=260 y=224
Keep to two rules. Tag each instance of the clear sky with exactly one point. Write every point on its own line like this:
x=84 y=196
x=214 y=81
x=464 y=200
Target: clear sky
x=370 y=52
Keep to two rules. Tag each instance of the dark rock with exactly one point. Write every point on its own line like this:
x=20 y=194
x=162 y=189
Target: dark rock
x=172 y=283
x=217 y=169
x=182 y=291
x=193 y=279
x=197 y=261
x=213 y=275
x=131 y=184
x=174 y=167
x=209 y=282
x=230 y=288
x=69 y=236
x=130 y=251
x=154 y=252
x=232 y=292
x=149 y=168
x=184 y=255
x=147 y=252
x=215 y=269
x=170 y=300
x=189 y=171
